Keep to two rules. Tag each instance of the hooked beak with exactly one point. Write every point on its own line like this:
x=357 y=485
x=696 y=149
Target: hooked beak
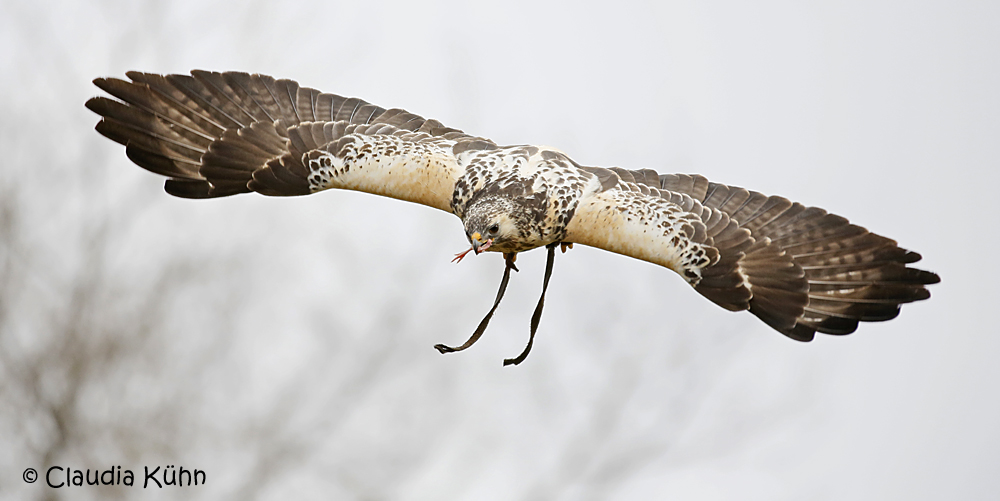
x=478 y=245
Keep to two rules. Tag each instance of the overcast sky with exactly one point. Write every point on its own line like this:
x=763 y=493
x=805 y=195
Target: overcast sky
x=886 y=112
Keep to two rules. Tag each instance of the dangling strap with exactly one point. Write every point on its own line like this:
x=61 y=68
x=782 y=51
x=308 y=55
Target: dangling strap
x=509 y=260
x=537 y=315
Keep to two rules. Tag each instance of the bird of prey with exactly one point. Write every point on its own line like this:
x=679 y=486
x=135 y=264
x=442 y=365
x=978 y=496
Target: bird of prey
x=799 y=269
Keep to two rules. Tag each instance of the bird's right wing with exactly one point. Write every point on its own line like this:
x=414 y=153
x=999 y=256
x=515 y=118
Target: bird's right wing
x=218 y=134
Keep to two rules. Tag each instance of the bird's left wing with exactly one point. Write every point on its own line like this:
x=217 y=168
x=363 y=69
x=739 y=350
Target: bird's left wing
x=218 y=134
x=799 y=269
x=702 y=244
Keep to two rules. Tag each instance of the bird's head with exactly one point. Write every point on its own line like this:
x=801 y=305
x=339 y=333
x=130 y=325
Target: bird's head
x=491 y=223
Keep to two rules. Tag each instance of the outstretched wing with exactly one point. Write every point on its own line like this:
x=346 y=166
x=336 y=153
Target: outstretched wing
x=219 y=134
x=800 y=270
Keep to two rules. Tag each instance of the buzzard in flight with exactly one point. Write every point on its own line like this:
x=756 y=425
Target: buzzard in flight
x=799 y=269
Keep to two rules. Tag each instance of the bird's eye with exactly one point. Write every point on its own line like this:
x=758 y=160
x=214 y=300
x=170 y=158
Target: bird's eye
x=494 y=229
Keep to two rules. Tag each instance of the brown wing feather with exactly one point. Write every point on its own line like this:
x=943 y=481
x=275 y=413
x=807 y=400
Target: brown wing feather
x=808 y=271
x=210 y=132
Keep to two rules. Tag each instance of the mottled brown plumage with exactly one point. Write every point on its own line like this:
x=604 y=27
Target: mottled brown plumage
x=799 y=269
